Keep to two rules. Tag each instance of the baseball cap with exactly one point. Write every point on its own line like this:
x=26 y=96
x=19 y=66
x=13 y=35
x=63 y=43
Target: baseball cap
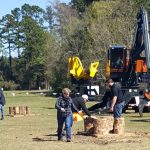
x=85 y=96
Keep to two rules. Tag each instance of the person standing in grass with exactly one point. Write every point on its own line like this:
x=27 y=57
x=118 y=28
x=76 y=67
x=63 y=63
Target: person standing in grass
x=64 y=107
x=117 y=103
x=2 y=103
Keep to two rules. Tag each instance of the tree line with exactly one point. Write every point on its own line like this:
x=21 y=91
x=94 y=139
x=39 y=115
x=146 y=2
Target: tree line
x=35 y=43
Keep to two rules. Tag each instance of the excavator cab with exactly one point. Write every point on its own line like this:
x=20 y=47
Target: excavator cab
x=116 y=62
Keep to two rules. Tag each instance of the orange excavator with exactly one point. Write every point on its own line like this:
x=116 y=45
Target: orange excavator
x=131 y=67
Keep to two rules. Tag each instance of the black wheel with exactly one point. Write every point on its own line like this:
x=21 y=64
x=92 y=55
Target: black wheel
x=136 y=109
x=146 y=109
x=124 y=109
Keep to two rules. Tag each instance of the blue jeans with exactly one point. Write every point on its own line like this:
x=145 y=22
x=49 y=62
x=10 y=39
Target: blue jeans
x=68 y=120
x=118 y=109
x=2 y=111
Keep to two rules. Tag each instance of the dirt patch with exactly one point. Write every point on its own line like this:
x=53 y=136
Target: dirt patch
x=110 y=138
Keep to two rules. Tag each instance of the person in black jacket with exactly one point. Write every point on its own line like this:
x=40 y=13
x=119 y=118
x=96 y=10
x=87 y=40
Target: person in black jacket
x=2 y=103
x=103 y=104
x=79 y=102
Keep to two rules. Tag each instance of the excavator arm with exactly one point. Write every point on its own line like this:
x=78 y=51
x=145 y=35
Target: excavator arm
x=140 y=46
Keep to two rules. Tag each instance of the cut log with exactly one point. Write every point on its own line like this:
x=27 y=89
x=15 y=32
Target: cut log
x=14 y=110
x=17 y=110
x=102 y=125
x=21 y=110
x=98 y=125
x=11 y=112
x=28 y=110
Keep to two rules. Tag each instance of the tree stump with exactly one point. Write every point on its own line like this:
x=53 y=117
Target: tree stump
x=102 y=125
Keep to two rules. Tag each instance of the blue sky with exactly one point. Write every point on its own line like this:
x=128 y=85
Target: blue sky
x=7 y=5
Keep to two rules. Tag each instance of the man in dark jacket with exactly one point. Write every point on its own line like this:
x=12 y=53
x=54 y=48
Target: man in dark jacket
x=2 y=103
x=104 y=103
x=79 y=102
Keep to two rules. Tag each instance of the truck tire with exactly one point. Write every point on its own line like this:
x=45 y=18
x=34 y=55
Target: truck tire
x=136 y=109
x=124 y=109
x=146 y=109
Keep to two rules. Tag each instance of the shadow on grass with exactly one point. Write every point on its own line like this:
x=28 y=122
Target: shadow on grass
x=138 y=116
x=37 y=139
x=48 y=107
x=51 y=135
x=141 y=120
x=83 y=133
x=129 y=112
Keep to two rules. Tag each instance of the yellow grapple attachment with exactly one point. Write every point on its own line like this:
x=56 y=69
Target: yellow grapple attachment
x=76 y=69
x=93 y=69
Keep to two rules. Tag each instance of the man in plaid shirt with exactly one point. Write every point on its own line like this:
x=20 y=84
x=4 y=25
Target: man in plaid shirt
x=64 y=107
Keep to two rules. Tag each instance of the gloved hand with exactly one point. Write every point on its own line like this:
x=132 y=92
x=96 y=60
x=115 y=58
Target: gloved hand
x=62 y=109
x=80 y=112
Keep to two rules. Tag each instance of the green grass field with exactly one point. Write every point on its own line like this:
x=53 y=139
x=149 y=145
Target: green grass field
x=38 y=131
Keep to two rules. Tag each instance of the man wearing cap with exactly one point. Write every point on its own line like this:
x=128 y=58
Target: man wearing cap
x=79 y=102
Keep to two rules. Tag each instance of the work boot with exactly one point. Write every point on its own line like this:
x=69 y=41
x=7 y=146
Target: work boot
x=60 y=138
x=111 y=131
x=68 y=140
x=115 y=127
x=116 y=124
